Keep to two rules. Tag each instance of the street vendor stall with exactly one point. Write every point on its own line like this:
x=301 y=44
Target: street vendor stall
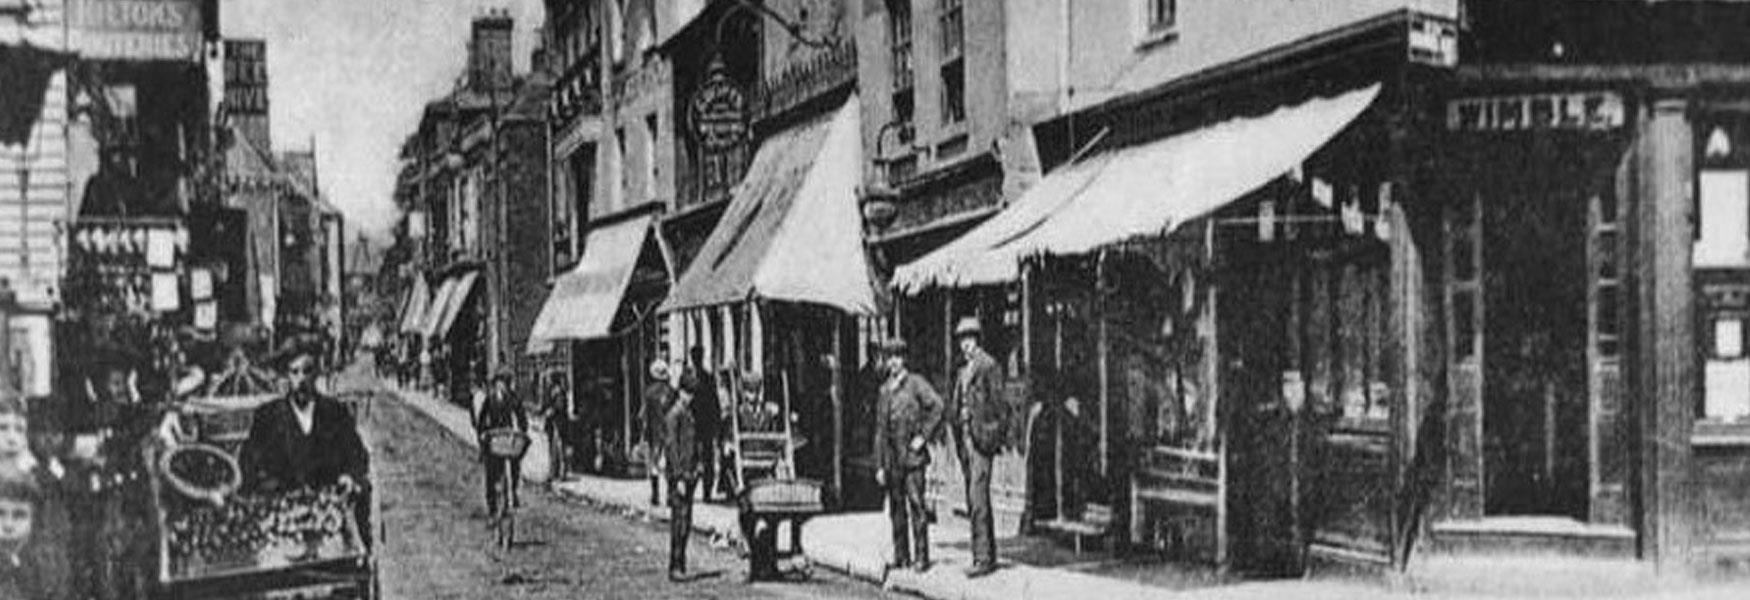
x=213 y=542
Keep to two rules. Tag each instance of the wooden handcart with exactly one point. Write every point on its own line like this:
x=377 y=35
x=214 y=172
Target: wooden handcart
x=771 y=496
x=211 y=543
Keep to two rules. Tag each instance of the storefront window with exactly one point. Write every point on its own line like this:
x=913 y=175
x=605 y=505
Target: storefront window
x=1721 y=257
x=1724 y=237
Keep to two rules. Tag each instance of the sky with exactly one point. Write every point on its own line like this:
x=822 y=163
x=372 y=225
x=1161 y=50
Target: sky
x=352 y=75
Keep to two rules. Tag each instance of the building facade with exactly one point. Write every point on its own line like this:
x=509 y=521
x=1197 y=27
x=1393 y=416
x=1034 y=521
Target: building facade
x=1393 y=282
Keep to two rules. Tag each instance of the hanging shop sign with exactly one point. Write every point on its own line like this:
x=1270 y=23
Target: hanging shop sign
x=246 y=77
x=1434 y=42
x=1582 y=111
x=144 y=30
x=718 y=111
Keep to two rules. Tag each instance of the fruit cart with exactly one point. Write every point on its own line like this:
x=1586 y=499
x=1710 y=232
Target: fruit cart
x=215 y=543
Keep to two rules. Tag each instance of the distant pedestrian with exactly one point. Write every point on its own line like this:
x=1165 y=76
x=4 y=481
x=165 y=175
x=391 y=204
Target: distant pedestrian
x=907 y=415
x=979 y=416
x=658 y=395
x=682 y=457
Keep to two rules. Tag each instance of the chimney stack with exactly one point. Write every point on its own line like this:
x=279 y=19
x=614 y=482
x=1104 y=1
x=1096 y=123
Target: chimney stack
x=489 y=51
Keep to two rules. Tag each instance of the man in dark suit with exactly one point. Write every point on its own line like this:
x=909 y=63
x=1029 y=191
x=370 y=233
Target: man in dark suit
x=979 y=416
x=303 y=440
x=907 y=416
x=682 y=454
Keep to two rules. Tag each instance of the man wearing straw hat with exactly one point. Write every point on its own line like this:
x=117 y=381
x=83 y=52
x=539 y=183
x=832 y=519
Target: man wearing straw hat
x=979 y=416
x=908 y=413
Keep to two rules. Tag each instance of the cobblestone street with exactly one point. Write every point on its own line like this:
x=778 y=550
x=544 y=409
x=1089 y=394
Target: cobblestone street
x=437 y=543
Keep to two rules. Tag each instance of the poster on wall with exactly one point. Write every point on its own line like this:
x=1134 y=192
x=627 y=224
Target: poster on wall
x=136 y=30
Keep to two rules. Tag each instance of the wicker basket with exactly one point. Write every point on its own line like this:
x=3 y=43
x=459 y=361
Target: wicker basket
x=505 y=443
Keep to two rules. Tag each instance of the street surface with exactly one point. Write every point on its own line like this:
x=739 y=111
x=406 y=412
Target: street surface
x=438 y=544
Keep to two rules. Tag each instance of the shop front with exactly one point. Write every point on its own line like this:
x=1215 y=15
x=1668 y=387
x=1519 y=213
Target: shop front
x=1218 y=323
x=604 y=308
x=453 y=331
x=1594 y=274
x=773 y=296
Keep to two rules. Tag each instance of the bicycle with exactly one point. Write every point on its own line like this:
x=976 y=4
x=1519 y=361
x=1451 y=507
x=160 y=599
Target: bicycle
x=507 y=445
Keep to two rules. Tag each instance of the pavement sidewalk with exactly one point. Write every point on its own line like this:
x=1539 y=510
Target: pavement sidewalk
x=857 y=544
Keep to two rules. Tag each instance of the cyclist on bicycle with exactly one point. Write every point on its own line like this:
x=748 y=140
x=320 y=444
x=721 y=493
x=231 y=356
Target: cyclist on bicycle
x=501 y=410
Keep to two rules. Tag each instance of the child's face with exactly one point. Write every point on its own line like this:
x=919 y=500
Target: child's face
x=14 y=435
x=15 y=520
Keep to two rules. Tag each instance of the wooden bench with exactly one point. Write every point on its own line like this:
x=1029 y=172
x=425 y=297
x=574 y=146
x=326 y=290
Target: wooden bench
x=1095 y=521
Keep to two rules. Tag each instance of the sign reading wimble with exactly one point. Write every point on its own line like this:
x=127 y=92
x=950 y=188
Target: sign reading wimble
x=1582 y=111
x=136 y=29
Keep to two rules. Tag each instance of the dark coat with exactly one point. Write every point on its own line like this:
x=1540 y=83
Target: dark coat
x=278 y=456
x=501 y=412
x=657 y=398
x=978 y=402
x=707 y=413
x=908 y=409
x=682 y=450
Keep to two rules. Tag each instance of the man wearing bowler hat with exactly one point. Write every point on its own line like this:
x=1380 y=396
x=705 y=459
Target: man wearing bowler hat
x=907 y=415
x=978 y=415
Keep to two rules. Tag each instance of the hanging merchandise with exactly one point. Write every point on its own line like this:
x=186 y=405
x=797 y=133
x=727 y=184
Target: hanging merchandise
x=166 y=295
x=1354 y=220
x=1322 y=192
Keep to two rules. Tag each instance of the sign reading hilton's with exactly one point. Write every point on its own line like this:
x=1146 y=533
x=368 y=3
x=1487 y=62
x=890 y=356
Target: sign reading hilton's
x=136 y=29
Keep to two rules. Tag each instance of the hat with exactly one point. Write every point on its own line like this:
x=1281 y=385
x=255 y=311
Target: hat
x=892 y=346
x=967 y=326
x=659 y=369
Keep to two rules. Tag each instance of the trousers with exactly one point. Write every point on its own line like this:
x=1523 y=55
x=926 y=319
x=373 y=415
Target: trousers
x=497 y=468
x=680 y=522
x=976 y=467
x=908 y=515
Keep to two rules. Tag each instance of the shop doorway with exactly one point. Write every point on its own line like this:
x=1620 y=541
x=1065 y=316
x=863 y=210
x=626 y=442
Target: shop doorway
x=1264 y=515
x=1535 y=384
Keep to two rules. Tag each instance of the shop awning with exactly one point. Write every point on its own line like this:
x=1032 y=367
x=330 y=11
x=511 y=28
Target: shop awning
x=792 y=231
x=453 y=301
x=586 y=298
x=413 y=311
x=1144 y=190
